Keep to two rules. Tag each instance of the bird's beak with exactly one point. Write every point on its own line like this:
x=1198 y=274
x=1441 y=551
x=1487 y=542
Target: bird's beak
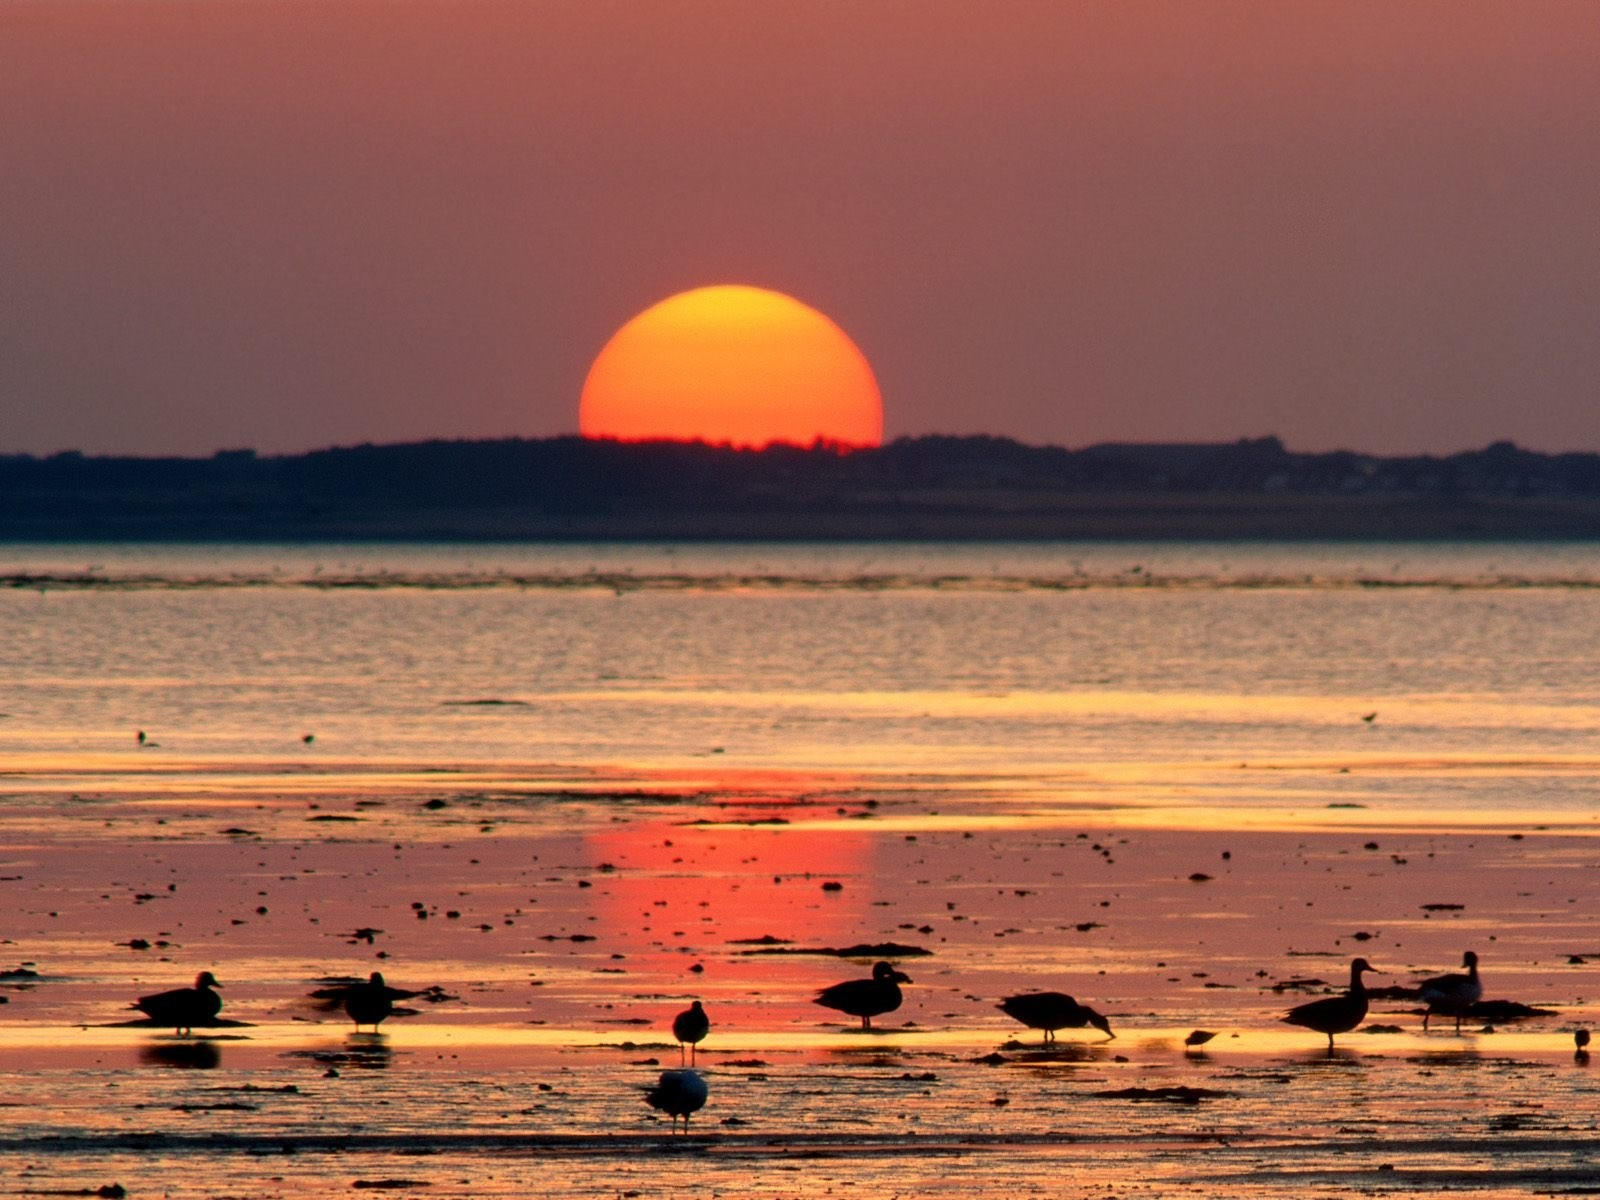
x=901 y=977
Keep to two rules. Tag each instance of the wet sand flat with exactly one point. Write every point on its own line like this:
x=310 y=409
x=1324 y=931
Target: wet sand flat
x=567 y=914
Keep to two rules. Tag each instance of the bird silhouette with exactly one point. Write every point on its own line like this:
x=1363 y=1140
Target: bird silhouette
x=370 y=1002
x=866 y=998
x=1199 y=1037
x=182 y=1008
x=366 y=1003
x=1335 y=1014
x=690 y=1027
x=1051 y=1011
x=1580 y=1042
x=1452 y=995
x=678 y=1093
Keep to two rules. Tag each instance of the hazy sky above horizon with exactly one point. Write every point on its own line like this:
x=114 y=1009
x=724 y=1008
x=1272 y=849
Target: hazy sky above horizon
x=287 y=225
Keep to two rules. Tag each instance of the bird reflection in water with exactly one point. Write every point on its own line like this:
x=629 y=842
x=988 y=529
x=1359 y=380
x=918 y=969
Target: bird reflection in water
x=369 y=1051
x=194 y=1056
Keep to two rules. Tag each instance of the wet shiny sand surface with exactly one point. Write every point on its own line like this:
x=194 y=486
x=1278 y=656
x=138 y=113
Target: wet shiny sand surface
x=566 y=921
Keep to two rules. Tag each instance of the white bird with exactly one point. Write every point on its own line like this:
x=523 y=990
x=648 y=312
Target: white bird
x=1452 y=995
x=678 y=1093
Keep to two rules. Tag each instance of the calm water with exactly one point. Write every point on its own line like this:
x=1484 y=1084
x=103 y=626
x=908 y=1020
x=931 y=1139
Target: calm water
x=900 y=656
x=1142 y=773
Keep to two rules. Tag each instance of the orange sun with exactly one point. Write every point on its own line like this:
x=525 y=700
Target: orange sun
x=737 y=365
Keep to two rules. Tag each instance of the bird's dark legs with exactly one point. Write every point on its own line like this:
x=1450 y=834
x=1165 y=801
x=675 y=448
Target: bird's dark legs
x=866 y=1023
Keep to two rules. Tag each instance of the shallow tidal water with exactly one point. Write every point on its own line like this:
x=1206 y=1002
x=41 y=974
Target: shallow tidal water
x=575 y=788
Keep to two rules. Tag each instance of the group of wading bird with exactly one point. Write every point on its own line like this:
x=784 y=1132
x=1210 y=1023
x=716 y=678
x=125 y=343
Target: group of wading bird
x=682 y=1092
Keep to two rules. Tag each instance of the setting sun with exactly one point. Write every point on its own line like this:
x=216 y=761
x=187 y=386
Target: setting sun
x=738 y=365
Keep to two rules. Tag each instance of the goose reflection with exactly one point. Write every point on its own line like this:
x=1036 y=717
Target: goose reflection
x=369 y=1051
x=193 y=1056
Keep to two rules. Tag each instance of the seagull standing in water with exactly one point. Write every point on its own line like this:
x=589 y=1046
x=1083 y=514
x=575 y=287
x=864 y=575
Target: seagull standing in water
x=689 y=1027
x=866 y=998
x=1051 y=1011
x=1452 y=995
x=183 y=1007
x=1335 y=1014
x=678 y=1093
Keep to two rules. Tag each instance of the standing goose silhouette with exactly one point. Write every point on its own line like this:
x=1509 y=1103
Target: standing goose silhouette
x=866 y=998
x=183 y=1008
x=371 y=1002
x=1335 y=1014
x=1452 y=995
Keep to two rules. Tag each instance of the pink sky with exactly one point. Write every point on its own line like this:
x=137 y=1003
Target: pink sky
x=290 y=225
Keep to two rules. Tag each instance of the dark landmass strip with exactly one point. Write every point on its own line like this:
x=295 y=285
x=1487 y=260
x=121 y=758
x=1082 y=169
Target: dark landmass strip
x=960 y=488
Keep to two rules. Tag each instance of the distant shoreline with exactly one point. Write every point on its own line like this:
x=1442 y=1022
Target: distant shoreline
x=914 y=490
x=1204 y=517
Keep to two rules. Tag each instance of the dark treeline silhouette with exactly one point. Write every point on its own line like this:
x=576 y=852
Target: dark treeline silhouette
x=927 y=487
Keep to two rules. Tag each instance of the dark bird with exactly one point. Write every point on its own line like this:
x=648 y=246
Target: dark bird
x=142 y=737
x=1370 y=718
x=308 y=738
x=370 y=1002
x=1335 y=1014
x=1051 y=1011
x=1452 y=995
x=1199 y=1037
x=182 y=1008
x=1580 y=1042
x=678 y=1093
x=866 y=998
x=689 y=1027
x=366 y=1003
